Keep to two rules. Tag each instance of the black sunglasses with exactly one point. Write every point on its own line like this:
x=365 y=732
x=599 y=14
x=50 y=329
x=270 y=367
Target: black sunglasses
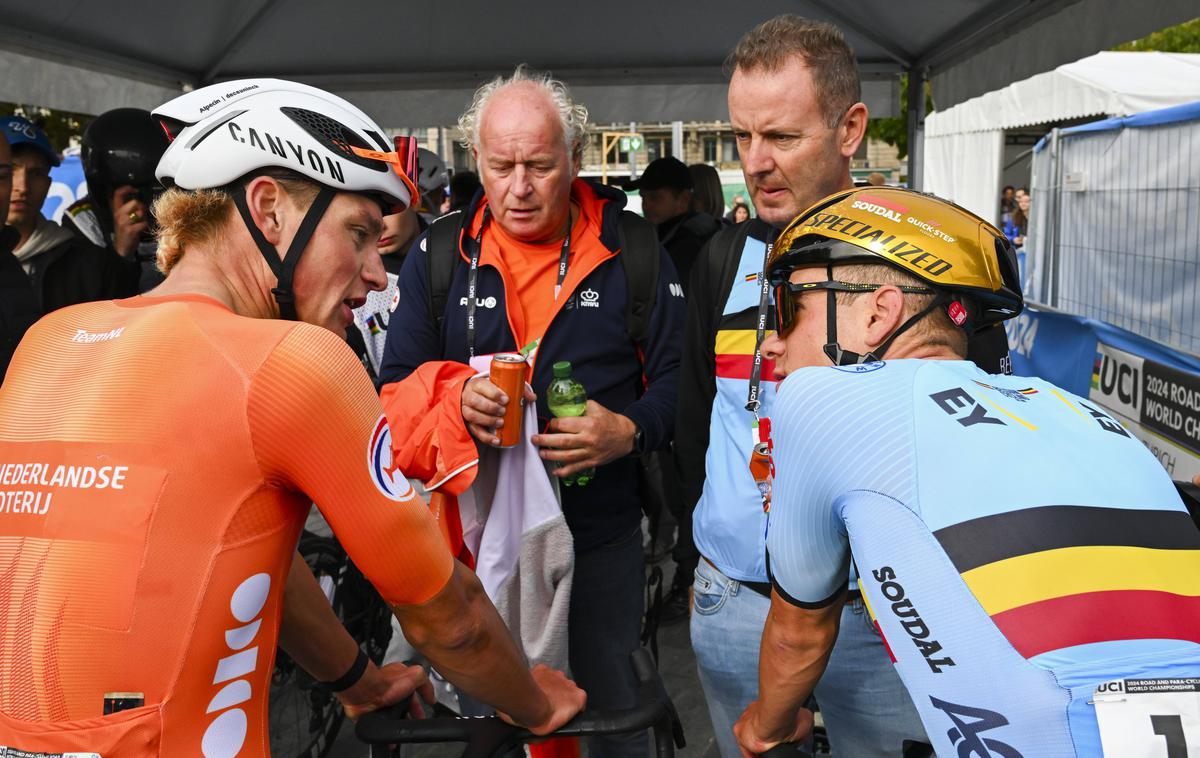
x=787 y=294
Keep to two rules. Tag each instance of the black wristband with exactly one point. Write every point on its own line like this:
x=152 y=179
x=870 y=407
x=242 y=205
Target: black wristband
x=351 y=677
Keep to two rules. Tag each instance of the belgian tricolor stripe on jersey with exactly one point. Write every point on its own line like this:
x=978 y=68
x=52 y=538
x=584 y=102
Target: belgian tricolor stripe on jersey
x=734 y=350
x=1059 y=576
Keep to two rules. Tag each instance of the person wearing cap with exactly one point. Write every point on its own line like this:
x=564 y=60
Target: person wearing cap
x=18 y=306
x=63 y=269
x=666 y=190
x=1025 y=559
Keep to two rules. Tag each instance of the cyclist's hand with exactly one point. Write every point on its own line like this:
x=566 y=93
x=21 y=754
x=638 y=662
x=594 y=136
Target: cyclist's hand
x=483 y=405
x=752 y=738
x=389 y=685
x=566 y=699
x=130 y=219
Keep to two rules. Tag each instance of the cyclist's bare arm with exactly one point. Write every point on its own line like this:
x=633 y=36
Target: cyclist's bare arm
x=464 y=637
x=796 y=644
x=310 y=632
x=314 y=637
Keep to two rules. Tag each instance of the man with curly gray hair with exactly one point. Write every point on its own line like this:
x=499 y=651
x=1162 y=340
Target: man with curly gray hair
x=544 y=255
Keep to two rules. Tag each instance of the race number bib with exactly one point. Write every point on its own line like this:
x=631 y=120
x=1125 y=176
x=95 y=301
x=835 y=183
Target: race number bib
x=1149 y=718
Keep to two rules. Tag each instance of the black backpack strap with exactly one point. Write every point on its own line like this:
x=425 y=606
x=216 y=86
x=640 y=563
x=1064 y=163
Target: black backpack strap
x=640 y=251
x=441 y=248
x=724 y=254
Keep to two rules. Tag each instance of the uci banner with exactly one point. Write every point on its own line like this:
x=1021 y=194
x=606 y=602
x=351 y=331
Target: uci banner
x=1153 y=390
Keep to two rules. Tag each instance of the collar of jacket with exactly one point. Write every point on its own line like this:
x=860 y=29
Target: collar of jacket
x=614 y=202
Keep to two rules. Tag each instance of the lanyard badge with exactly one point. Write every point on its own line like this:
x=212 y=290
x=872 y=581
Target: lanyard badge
x=762 y=464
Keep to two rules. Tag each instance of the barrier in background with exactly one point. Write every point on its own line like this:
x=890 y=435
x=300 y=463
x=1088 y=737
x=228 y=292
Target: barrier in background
x=1115 y=232
x=1152 y=389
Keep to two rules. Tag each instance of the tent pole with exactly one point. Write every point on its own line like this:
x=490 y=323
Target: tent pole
x=916 y=128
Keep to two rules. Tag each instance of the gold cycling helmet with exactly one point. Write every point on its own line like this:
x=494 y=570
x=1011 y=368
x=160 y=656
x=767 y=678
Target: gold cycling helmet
x=967 y=262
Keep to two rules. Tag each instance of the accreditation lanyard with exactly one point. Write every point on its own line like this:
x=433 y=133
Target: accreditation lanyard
x=564 y=263
x=762 y=467
x=753 y=400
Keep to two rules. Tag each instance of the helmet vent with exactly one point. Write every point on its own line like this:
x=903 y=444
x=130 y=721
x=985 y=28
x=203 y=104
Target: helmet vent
x=334 y=135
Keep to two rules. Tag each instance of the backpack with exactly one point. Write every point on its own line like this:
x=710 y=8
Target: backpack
x=639 y=257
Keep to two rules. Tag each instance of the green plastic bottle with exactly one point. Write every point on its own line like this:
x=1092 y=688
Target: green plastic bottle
x=567 y=397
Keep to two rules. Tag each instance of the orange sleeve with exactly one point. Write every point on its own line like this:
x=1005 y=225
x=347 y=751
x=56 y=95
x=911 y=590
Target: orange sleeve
x=432 y=442
x=318 y=428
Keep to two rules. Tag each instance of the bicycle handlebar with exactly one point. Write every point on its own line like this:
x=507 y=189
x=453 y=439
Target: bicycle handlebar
x=487 y=735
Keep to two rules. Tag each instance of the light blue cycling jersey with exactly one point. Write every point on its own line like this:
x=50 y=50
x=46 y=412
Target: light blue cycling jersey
x=1016 y=545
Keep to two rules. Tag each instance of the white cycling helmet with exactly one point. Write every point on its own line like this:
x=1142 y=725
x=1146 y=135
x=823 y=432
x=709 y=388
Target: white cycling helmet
x=229 y=131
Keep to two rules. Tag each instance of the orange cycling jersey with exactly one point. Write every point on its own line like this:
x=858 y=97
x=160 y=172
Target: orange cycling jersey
x=157 y=461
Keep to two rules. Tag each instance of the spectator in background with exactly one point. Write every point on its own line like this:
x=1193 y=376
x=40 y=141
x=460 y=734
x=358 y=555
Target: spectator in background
x=1018 y=223
x=667 y=191
x=63 y=269
x=707 y=195
x=741 y=213
x=400 y=230
x=463 y=187
x=876 y=179
x=733 y=204
x=120 y=150
x=18 y=306
x=1008 y=204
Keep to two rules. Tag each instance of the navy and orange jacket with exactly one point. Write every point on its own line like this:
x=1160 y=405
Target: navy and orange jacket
x=423 y=371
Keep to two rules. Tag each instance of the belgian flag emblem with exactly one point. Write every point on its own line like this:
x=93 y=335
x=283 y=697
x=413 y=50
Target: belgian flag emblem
x=1058 y=576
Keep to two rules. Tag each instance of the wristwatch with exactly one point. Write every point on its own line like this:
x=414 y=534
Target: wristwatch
x=639 y=440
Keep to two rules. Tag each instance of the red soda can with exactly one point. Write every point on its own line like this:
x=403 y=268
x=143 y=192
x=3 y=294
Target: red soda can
x=509 y=372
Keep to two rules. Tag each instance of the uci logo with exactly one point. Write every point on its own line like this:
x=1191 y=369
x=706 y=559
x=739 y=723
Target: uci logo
x=589 y=298
x=481 y=302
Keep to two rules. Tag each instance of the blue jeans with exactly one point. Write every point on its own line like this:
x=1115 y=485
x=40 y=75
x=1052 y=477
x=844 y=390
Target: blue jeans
x=867 y=711
x=604 y=627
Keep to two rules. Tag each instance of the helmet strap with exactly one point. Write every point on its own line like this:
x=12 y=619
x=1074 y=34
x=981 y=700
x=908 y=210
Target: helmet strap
x=285 y=269
x=832 y=349
x=841 y=357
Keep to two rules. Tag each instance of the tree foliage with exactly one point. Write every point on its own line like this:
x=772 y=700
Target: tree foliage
x=1182 y=38
x=894 y=130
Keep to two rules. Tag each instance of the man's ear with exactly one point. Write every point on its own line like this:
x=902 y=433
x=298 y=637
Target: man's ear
x=884 y=313
x=576 y=159
x=264 y=197
x=852 y=129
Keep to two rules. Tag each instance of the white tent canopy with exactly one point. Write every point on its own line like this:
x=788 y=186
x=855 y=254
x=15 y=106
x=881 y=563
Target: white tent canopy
x=416 y=63
x=964 y=144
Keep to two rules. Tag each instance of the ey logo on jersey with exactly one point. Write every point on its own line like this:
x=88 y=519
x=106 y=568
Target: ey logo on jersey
x=387 y=476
